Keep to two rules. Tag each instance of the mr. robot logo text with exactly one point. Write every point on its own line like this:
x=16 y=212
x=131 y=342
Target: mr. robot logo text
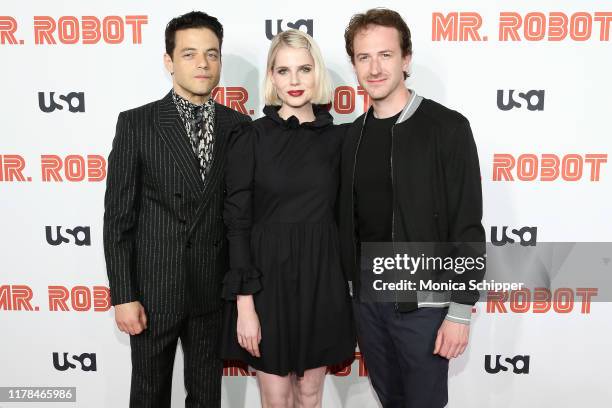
x=519 y=364
x=534 y=100
x=53 y=168
x=548 y=167
x=534 y=26
x=85 y=30
x=347 y=99
x=526 y=236
x=356 y=367
x=81 y=236
x=298 y=24
x=234 y=97
x=74 y=101
x=58 y=298
x=542 y=300
x=86 y=361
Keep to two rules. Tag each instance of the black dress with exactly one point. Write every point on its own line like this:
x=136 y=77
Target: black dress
x=282 y=180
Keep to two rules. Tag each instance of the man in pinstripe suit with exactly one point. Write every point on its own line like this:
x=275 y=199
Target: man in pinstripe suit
x=164 y=241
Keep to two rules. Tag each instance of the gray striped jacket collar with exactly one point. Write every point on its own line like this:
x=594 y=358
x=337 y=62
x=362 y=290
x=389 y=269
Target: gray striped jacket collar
x=411 y=106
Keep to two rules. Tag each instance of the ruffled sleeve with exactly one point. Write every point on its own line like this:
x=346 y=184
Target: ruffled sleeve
x=242 y=278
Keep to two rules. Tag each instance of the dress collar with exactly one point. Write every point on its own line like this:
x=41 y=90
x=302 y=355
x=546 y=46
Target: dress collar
x=322 y=117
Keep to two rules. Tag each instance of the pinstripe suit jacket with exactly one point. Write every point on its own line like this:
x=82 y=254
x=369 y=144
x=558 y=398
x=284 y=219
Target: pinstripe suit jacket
x=164 y=238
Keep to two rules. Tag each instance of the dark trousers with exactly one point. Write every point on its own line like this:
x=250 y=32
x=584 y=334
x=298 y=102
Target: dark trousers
x=153 y=353
x=398 y=353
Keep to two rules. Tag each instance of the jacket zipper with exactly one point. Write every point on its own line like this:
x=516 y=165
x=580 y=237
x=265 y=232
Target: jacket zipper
x=392 y=192
x=354 y=287
x=393 y=205
x=396 y=305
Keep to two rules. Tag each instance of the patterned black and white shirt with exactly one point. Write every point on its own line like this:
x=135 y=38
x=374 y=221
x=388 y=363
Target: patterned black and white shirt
x=199 y=121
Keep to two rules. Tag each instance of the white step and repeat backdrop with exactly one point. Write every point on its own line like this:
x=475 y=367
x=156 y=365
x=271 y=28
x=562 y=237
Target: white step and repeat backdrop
x=533 y=77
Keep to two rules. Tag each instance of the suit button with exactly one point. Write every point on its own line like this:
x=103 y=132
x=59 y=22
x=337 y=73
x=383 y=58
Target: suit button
x=178 y=195
x=182 y=221
x=188 y=244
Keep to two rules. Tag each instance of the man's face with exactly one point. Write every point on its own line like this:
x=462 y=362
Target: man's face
x=196 y=63
x=378 y=61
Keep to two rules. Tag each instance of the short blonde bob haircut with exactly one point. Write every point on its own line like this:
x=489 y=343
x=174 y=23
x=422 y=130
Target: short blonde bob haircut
x=322 y=94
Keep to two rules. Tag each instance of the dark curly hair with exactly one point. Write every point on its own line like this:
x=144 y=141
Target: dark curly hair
x=194 y=19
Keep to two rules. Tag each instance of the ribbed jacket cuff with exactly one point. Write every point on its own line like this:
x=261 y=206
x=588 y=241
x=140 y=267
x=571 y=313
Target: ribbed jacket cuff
x=459 y=313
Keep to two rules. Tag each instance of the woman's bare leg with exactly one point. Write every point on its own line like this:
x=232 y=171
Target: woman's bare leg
x=275 y=391
x=309 y=388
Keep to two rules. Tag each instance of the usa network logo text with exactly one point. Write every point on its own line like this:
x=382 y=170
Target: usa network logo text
x=526 y=236
x=519 y=364
x=297 y=25
x=84 y=30
x=80 y=236
x=533 y=100
x=86 y=361
x=74 y=101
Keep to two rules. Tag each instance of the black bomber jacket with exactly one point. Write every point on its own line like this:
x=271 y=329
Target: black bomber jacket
x=437 y=194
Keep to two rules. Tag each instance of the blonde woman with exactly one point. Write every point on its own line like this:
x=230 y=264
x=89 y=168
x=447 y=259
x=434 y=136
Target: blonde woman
x=288 y=313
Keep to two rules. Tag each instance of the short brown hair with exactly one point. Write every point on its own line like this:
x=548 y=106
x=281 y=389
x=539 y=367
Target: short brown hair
x=382 y=17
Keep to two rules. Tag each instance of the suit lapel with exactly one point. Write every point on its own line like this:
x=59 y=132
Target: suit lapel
x=172 y=131
x=216 y=169
x=215 y=174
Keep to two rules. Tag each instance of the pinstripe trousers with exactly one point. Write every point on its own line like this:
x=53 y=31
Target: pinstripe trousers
x=153 y=353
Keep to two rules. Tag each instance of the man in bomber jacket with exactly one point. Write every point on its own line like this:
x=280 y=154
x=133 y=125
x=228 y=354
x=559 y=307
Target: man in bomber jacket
x=410 y=173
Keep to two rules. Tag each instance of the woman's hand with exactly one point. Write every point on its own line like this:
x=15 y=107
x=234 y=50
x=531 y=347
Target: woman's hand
x=248 y=329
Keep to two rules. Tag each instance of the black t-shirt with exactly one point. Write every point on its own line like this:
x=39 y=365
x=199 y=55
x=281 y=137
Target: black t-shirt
x=373 y=184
